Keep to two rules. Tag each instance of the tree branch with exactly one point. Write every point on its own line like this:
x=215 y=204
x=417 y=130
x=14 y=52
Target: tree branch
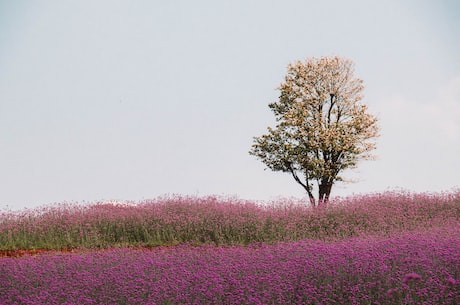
x=330 y=109
x=305 y=186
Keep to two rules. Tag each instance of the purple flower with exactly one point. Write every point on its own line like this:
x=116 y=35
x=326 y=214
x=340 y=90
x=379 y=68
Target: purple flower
x=391 y=291
x=411 y=276
x=452 y=281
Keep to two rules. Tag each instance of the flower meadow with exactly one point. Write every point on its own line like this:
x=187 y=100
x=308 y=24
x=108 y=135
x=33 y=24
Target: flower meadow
x=221 y=221
x=391 y=248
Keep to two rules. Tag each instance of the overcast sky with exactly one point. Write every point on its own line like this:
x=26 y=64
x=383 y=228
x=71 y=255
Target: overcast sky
x=130 y=100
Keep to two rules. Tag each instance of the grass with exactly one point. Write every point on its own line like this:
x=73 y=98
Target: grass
x=390 y=248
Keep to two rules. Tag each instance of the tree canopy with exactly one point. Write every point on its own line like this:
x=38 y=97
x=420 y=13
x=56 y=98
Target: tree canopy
x=323 y=128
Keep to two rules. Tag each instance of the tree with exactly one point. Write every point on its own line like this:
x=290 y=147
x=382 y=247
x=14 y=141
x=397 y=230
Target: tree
x=323 y=128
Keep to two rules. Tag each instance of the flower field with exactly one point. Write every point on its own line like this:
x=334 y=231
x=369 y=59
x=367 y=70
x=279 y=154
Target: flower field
x=391 y=248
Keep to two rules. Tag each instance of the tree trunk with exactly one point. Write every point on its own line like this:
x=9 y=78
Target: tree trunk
x=305 y=185
x=311 y=197
x=324 y=193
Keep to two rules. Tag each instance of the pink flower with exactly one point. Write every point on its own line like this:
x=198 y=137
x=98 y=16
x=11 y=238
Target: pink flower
x=411 y=276
x=391 y=291
x=451 y=280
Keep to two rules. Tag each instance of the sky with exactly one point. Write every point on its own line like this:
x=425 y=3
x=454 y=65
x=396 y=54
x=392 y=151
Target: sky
x=131 y=100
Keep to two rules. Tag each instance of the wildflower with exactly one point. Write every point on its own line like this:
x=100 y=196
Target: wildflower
x=411 y=276
x=391 y=291
x=452 y=281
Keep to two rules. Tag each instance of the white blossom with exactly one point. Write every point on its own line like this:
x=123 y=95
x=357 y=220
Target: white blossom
x=323 y=128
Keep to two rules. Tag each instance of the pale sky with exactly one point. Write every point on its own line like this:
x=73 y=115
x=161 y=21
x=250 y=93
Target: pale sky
x=131 y=100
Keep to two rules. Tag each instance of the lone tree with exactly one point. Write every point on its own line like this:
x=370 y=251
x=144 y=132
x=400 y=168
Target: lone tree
x=322 y=128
